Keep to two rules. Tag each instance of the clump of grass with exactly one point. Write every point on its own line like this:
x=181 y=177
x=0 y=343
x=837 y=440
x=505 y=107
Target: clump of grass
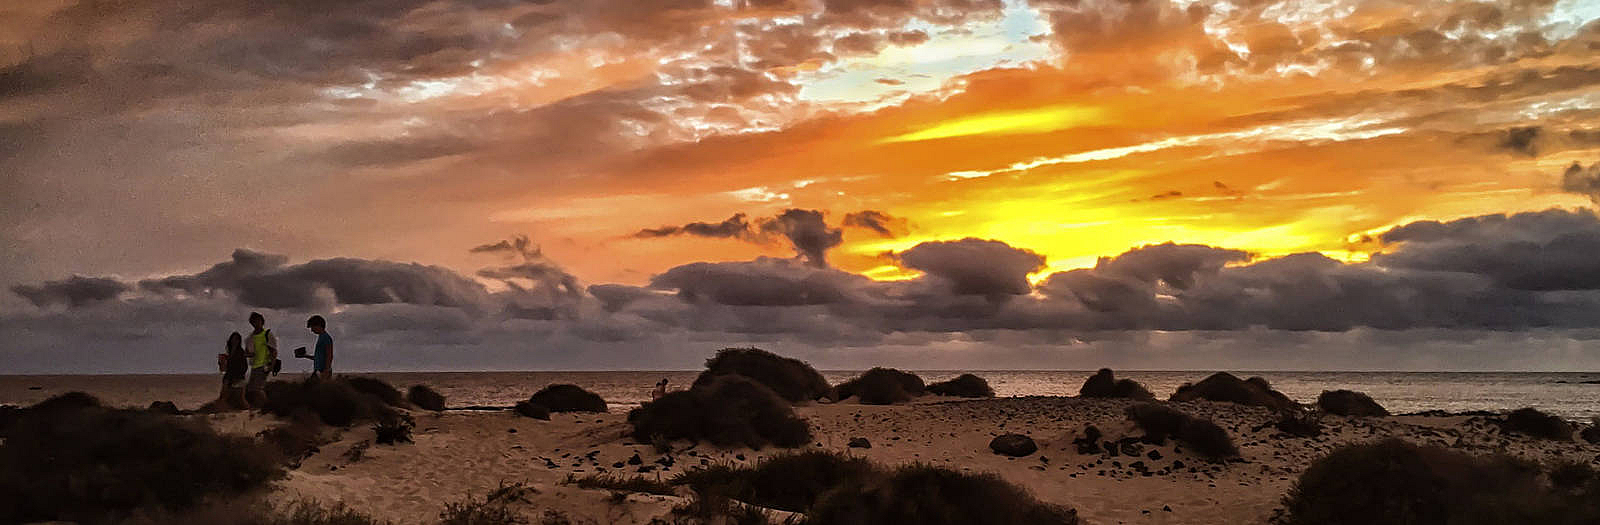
x=1203 y=436
x=1225 y=387
x=243 y=512
x=792 y=379
x=493 y=509
x=729 y=411
x=568 y=398
x=1392 y=482
x=964 y=385
x=425 y=398
x=1531 y=422
x=790 y=482
x=625 y=484
x=392 y=431
x=375 y=387
x=1104 y=384
x=70 y=459
x=335 y=402
x=881 y=386
x=1349 y=403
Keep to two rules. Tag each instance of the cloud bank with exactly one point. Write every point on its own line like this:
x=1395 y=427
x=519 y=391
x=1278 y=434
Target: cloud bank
x=1493 y=278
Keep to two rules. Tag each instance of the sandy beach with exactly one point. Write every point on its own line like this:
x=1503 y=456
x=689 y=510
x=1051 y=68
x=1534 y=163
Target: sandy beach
x=457 y=453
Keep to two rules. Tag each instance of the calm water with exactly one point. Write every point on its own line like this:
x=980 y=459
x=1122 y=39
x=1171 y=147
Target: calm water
x=1397 y=391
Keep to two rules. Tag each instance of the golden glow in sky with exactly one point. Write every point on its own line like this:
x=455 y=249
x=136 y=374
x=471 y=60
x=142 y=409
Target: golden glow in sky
x=1039 y=120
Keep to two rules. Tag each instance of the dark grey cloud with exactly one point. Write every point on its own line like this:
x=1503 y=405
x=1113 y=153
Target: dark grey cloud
x=763 y=282
x=265 y=281
x=975 y=266
x=734 y=227
x=1541 y=251
x=537 y=288
x=877 y=221
x=808 y=232
x=73 y=291
x=1582 y=180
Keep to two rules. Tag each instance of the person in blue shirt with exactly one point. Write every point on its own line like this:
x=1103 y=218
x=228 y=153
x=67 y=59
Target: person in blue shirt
x=322 y=357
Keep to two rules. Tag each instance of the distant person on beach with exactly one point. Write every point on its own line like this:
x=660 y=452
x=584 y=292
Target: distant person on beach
x=661 y=390
x=264 y=354
x=235 y=364
x=322 y=357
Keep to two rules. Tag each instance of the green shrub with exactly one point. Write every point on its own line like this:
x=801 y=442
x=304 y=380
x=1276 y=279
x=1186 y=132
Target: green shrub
x=881 y=386
x=964 y=385
x=729 y=411
x=568 y=398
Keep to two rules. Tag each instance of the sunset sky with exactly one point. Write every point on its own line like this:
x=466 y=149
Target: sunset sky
x=644 y=148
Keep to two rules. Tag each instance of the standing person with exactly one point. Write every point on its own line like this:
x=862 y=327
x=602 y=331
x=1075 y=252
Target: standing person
x=322 y=357
x=660 y=390
x=235 y=364
x=264 y=351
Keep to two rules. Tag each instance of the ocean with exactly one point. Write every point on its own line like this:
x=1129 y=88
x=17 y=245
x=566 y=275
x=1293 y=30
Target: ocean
x=1573 y=395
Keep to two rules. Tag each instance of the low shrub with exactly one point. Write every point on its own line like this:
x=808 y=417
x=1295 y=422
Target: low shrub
x=881 y=386
x=1203 y=436
x=964 y=385
x=1224 y=387
x=493 y=509
x=295 y=440
x=790 y=482
x=625 y=484
x=393 y=431
x=1533 y=423
x=377 y=388
x=242 y=512
x=531 y=409
x=792 y=379
x=730 y=411
x=925 y=494
x=71 y=460
x=1395 y=482
x=334 y=402
x=568 y=398
x=425 y=398
x=1104 y=384
x=1591 y=433
x=1349 y=403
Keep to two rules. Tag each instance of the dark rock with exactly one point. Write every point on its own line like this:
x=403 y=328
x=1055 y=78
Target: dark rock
x=1130 y=447
x=1014 y=445
x=1154 y=454
x=635 y=460
x=860 y=442
x=1299 y=426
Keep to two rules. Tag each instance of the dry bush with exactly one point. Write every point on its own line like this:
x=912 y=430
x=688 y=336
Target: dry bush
x=1223 y=386
x=425 y=398
x=1349 y=403
x=729 y=411
x=1104 y=383
x=881 y=386
x=964 y=385
x=793 y=379
x=1203 y=436
x=1531 y=422
x=568 y=398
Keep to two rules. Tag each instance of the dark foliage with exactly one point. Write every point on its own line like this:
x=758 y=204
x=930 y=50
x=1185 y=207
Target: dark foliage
x=296 y=440
x=964 y=385
x=793 y=379
x=425 y=398
x=334 y=402
x=1348 y=403
x=1014 y=445
x=881 y=386
x=531 y=409
x=790 y=482
x=1531 y=422
x=1104 y=383
x=393 y=431
x=1590 y=433
x=730 y=411
x=376 y=388
x=1223 y=386
x=492 y=509
x=609 y=482
x=1202 y=436
x=70 y=459
x=568 y=398
x=1395 y=482
x=927 y=495
x=1572 y=475
x=164 y=407
x=241 y=512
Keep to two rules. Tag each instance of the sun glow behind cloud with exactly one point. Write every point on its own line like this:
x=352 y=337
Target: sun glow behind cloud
x=1038 y=120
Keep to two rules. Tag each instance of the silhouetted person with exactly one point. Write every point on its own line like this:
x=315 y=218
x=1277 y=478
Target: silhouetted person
x=322 y=357
x=660 y=390
x=263 y=347
x=235 y=364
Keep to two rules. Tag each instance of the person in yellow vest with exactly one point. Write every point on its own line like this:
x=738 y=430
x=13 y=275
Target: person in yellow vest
x=263 y=349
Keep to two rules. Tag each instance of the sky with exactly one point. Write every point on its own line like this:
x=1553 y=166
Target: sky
x=984 y=184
